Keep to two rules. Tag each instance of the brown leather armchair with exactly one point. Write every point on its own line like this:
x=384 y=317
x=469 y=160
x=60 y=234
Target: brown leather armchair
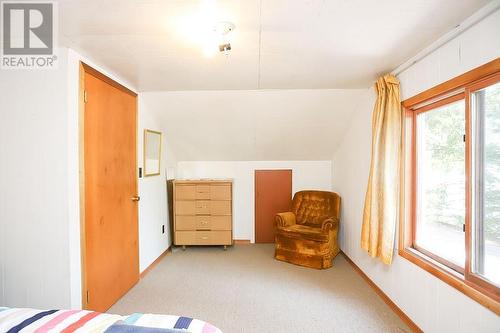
x=307 y=235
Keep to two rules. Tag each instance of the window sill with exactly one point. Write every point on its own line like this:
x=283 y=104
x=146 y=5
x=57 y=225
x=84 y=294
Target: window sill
x=452 y=278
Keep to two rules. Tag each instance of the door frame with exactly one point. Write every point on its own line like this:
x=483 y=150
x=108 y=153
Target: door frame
x=255 y=195
x=85 y=69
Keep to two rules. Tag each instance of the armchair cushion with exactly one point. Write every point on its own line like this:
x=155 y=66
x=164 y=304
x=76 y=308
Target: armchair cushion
x=300 y=231
x=313 y=207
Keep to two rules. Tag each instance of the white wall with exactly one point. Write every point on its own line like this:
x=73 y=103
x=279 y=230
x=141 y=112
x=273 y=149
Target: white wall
x=153 y=206
x=34 y=258
x=305 y=175
x=433 y=305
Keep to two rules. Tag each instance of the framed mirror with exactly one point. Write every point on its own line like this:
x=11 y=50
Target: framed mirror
x=152 y=153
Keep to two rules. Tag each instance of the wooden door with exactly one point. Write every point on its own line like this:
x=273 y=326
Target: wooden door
x=273 y=194
x=110 y=253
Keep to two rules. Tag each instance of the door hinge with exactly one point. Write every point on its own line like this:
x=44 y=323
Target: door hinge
x=464 y=138
x=463 y=227
x=85 y=99
x=88 y=296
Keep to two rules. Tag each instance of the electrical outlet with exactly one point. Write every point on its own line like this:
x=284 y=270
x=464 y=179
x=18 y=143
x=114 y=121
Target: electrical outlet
x=162 y=228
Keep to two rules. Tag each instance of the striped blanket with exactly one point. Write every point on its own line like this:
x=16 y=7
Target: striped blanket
x=21 y=320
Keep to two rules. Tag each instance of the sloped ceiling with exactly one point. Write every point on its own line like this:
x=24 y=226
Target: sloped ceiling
x=278 y=44
x=254 y=125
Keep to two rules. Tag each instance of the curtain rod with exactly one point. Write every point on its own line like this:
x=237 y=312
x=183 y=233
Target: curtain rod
x=457 y=30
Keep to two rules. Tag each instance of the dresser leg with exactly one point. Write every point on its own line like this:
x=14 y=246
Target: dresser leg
x=225 y=247
x=183 y=247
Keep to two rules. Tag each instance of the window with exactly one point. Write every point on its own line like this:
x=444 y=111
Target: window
x=440 y=182
x=451 y=197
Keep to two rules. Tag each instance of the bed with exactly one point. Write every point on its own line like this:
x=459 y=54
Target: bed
x=25 y=320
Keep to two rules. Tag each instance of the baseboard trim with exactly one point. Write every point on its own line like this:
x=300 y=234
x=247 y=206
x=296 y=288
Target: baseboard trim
x=154 y=263
x=384 y=297
x=241 y=241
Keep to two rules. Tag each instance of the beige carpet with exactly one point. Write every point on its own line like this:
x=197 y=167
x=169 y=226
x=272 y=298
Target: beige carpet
x=244 y=290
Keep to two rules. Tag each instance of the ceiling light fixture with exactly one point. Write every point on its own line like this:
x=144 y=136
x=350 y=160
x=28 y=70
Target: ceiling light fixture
x=224 y=31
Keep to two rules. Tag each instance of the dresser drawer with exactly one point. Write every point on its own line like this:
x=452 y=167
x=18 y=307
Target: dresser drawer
x=220 y=192
x=218 y=207
x=203 y=238
x=185 y=222
x=185 y=192
x=203 y=222
x=192 y=192
x=213 y=223
x=183 y=207
x=202 y=191
x=202 y=207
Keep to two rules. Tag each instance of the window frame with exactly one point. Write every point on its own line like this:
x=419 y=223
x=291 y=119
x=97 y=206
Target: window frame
x=464 y=280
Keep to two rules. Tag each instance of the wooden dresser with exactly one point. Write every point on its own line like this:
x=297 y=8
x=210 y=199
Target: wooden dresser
x=203 y=212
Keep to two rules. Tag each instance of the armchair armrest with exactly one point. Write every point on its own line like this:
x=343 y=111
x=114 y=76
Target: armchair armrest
x=285 y=219
x=329 y=223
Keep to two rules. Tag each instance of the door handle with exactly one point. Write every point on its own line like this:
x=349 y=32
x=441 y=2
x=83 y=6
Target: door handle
x=135 y=198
